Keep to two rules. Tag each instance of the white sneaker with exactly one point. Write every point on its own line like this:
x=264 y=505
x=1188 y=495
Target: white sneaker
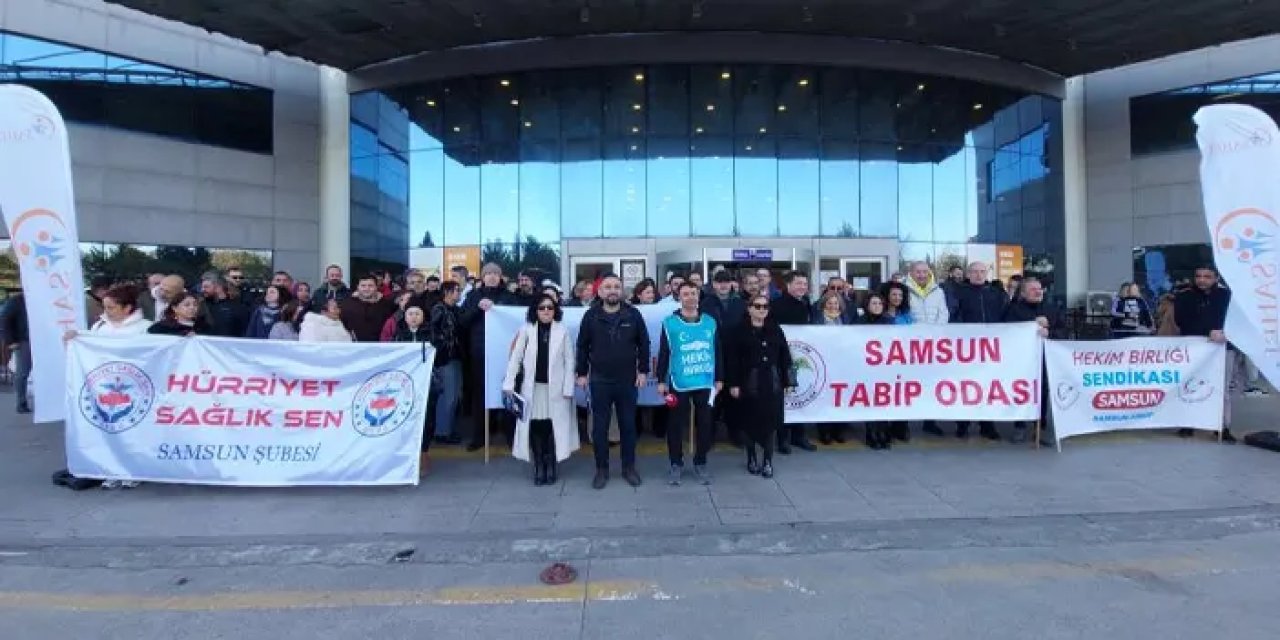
x=112 y=484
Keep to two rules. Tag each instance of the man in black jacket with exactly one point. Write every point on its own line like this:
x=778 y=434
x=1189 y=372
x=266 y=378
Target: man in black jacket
x=613 y=356
x=977 y=302
x=489 y=292
x=17 y=333
x=1032 y=307
x=729 y=310
x=792 y=308
x=227 y=317
x=1202 y=311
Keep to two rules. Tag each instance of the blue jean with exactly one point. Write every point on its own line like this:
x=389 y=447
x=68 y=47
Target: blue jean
x=607 y=398
x=450 y=391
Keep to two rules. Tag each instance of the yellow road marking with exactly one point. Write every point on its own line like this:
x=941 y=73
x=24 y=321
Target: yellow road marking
x=268 y=600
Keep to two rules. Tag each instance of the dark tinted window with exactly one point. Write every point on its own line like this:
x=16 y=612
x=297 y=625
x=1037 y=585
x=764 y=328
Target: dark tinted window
x=90 y=87
x=1161 y=122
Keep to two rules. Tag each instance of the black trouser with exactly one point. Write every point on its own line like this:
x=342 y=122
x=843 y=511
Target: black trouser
x=606 y=399
x=429 y=422
x=704 y=429
x=542 y=441
x=761 y=417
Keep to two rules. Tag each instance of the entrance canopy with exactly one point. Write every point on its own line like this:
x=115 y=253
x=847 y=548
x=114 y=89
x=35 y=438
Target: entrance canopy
x=1068 y=37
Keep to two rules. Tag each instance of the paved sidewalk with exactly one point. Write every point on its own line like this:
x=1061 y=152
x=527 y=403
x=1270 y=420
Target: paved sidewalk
x=931 y=478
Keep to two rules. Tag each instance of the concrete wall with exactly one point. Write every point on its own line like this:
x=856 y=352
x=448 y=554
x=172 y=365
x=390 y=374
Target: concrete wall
x=146 y=189
x=1153 y=199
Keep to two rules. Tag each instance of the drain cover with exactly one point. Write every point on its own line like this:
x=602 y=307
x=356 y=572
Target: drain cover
x=558 y=573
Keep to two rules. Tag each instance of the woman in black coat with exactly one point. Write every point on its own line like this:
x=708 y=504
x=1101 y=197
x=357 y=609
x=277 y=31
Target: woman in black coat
x=875 y=311
x=181 y=318
x=759 y=368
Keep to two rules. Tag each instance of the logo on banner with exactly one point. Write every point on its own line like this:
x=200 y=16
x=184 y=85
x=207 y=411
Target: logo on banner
x=809 y=371
x=382 y=404
x=40 y=240
x=1195 y=390
x=40 y=126
x=1065 y=395
x=116 y=397
x=1245 y=235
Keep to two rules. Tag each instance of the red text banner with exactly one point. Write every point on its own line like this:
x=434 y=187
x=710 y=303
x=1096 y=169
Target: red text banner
x=245 y=412
x=914 y=372
x=1136 y=383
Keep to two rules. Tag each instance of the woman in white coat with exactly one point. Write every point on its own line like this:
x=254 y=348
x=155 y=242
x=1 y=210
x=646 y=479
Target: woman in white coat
x=542 y=357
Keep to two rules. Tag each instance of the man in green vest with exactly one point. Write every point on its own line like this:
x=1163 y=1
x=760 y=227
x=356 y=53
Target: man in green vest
x=691 y=365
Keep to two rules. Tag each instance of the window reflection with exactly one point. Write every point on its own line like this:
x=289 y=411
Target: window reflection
x=755 y=173
x=95 y=88
x=710 y=150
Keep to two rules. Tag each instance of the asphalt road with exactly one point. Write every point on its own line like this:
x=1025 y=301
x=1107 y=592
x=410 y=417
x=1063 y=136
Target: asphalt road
x=1211 y=574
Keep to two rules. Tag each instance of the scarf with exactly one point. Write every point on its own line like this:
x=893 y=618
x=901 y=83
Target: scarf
x=923 y=292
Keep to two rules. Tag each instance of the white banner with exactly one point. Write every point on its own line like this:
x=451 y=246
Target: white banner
x=502 y=323
x=39 y=210
x=1240 y=153
x=245 y=412
x=915 y=372
x=1135 y=383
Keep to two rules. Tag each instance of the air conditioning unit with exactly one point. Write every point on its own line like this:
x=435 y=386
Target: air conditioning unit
x=1100 y=302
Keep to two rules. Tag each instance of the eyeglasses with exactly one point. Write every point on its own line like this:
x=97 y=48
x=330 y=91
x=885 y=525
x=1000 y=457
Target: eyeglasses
x=546 y=308
x=762 y=307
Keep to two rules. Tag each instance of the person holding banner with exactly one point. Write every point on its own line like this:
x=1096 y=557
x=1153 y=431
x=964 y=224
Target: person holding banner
x=977 y=302
x=547 y=432
x=696 y=372
x=791 y=308
x=1202 y=311
x=1032 y=307
x=876 y=311
x=613 y=357
x=759 y=371
x=120 y=317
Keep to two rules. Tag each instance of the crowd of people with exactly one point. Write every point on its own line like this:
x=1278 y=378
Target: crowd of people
x=723 y=360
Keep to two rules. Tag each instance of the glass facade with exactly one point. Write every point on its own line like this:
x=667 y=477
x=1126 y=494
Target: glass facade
x=701 y=151
x=95 y=88
x=1161 y=122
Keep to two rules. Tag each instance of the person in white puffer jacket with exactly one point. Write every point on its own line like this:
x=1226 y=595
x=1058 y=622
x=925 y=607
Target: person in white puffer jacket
x=928 y=306
x=120 y=317
x=326 y=327
x=928 y=299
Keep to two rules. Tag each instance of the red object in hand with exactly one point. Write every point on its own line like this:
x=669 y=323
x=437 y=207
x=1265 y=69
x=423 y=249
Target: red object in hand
x=670 y=400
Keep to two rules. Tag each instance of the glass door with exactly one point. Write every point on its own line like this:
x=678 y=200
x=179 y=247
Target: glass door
x=632 y=269
x=865 y=273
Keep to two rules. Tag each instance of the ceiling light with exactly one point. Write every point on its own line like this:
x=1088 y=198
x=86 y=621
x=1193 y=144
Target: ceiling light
x=725 y=75
x=920 y=87
x=977 y=106
x=711 y=107
x=635 y=129
x=698 y=130
x=899 y=147
x=635 y=107
x=782 y=107
x=515 y=102
x=639 y=77
x=457 y=129
x=431 y=103
x=748 y=147
x=804 y=82
x=527 y=124
x=504 y=82
x=633 y=147
x=763 y=130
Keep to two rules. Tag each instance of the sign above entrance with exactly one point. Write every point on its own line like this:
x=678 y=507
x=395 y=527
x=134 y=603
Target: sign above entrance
x=753 y=254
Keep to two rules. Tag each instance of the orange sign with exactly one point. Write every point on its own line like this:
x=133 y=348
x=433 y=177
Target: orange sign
x=467 y=256
x=1008 y=261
